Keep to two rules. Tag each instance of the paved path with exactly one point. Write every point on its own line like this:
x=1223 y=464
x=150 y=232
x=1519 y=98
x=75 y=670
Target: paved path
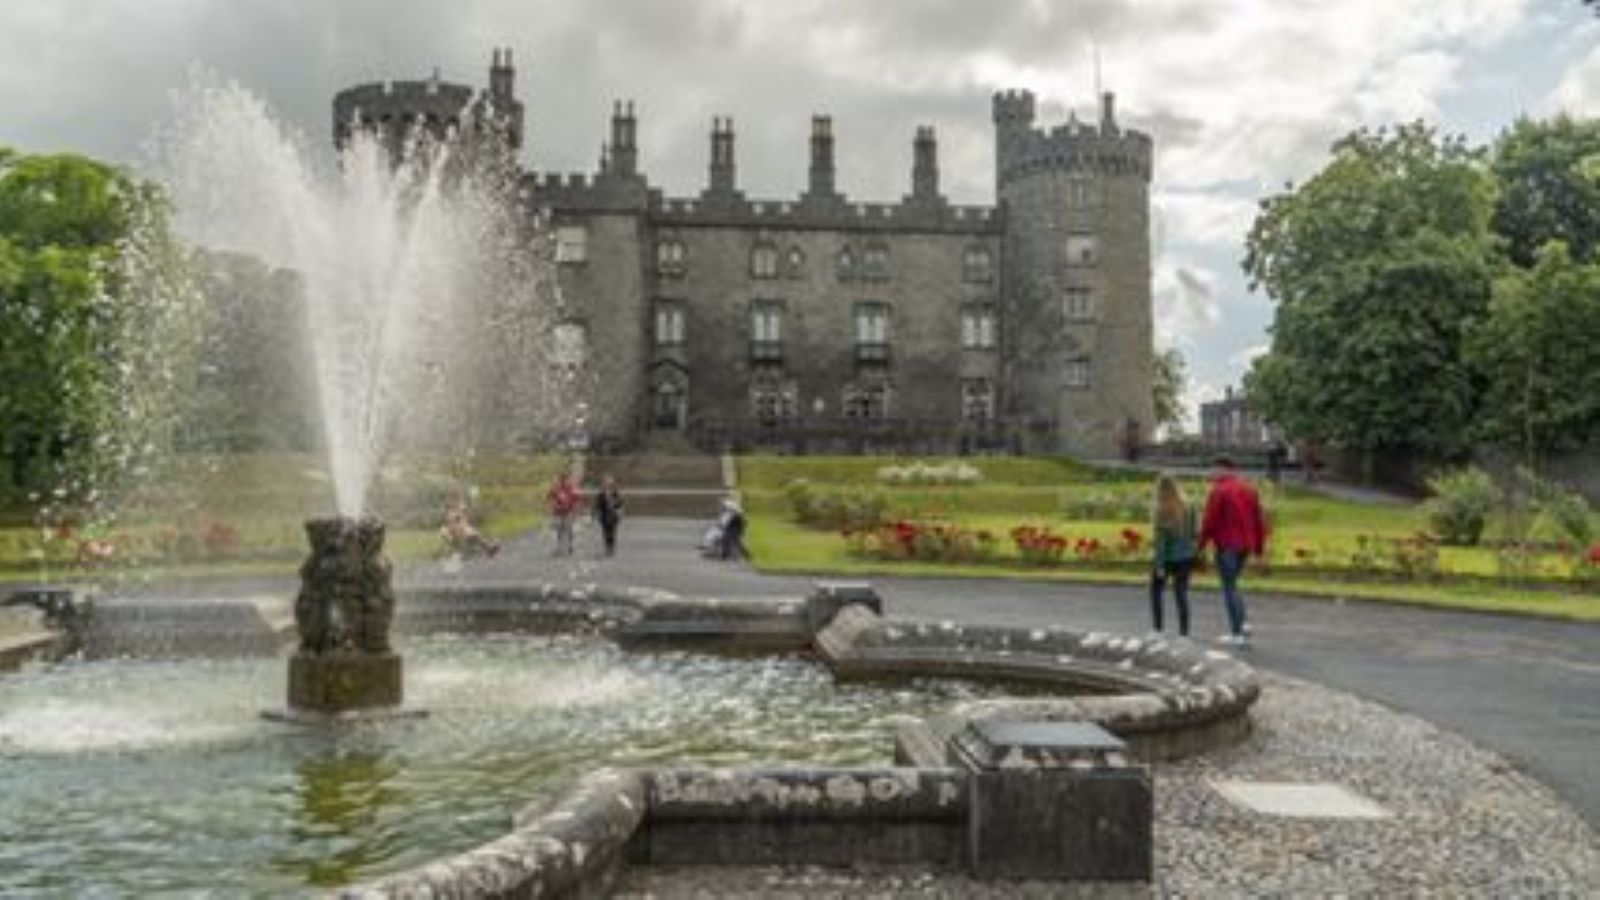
x=1528 y=689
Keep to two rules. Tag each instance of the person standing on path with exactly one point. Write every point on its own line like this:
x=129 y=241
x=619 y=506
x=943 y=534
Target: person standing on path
x=1235 y=525
x=608 y=512
x=1175 y=531
x=563 y=499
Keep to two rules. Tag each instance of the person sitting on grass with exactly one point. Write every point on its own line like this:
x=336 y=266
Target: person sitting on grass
x=461 y=537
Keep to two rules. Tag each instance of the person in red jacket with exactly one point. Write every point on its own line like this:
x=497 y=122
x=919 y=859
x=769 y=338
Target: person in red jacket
x=1234 y=524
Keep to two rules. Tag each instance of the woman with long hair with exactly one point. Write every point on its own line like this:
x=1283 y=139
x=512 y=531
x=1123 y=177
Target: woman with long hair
x=1174 y=548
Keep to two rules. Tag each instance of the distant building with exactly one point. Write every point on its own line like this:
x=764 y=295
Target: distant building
x=820 y=321
x=1230 y=422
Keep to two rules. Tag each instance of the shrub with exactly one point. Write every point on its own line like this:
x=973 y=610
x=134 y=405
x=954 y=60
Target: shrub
x=834 y=510
x=919 y=473
x=1127 y=506
x=1416 y=557
x=928 y=541
x=1569 y=514
x=1461 y=505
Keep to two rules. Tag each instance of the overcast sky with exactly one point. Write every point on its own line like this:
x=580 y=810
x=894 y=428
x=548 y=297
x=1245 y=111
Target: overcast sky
x=1239 y=95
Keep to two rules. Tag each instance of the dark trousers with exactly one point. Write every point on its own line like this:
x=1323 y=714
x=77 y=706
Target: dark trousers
x=1179 y=572
x=608 y=531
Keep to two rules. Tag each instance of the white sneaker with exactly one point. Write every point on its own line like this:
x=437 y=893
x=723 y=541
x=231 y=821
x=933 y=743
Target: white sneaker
x=1246 y=630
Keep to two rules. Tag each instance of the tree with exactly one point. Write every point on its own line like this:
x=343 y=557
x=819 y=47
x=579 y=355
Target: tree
x=1168 y=387
x=91 y=284
x=1549 y=179
x=1376 y=265
x=1538 y=351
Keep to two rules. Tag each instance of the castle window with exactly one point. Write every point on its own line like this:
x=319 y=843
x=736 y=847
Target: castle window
x=572 y=244
x=766 y=331
x=670 y=254
x=875 y=262
x=977 y=265
x=866 y=401
x=669 y=323
x=1077 y=304
x=1082 y=250
x=872 y=332
x=977 y=327
x=1081 y=193
x=764 y=261
x=1076 y=373
x=977 y=399
x=794 y=263
x=773 y=403
x=847 y=263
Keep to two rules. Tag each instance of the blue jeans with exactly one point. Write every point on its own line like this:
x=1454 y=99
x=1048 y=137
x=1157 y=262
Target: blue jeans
x=1230 y=565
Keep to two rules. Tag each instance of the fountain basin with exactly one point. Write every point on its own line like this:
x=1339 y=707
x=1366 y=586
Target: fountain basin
x=522 y=682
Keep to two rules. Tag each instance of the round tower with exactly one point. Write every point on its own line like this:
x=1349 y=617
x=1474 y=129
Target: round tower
x=1076 y=293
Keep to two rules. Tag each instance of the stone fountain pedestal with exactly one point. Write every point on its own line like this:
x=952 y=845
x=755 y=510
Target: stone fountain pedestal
x=345 y=668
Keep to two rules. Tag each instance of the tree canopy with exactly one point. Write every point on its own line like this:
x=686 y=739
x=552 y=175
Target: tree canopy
x=1376 y=265
x=1548 y=174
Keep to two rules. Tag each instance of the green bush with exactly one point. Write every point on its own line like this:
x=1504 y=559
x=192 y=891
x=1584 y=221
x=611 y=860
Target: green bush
x=1461 y=504
x=848 y=510
x=1569 y=514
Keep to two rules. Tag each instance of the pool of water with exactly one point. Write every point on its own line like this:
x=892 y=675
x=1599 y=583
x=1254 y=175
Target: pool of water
x=136 y=777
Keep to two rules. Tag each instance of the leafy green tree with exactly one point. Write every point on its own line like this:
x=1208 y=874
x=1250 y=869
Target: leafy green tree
x=1538 y=350
x=90 y=291
x=1376 y=265
x=1168 y=387
x=1549 y=178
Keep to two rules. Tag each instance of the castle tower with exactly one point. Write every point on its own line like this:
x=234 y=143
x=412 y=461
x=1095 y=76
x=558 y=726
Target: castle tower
x=503 y=107
x=1076 y=269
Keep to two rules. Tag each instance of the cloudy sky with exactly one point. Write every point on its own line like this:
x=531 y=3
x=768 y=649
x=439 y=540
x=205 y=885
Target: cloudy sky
x=1240 y=95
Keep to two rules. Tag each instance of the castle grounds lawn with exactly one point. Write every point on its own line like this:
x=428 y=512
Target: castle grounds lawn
x=1320 y=545
x=244 y=513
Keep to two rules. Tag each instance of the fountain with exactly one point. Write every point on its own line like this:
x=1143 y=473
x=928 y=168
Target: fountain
x=344 y=667
x=544 y=689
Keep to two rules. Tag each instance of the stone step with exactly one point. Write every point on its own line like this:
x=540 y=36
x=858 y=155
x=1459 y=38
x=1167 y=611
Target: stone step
x=651 y=470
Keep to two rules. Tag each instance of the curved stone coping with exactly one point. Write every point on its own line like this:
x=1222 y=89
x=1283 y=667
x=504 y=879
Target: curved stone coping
x=576 y=845
x=573 y=846
x=1160 y=685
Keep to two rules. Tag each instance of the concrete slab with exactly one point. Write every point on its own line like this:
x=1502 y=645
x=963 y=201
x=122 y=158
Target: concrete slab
x=1300 y=800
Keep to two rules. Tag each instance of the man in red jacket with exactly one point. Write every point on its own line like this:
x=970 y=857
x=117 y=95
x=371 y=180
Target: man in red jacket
x=1234 y=524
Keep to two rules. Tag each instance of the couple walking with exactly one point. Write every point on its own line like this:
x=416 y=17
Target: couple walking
x=565 y=498
x=1233 y=523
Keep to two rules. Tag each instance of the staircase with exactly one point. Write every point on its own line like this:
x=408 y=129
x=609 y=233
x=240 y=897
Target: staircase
x=676 y=485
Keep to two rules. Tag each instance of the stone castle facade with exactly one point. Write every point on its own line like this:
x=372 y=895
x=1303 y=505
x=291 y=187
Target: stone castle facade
x=818 y=322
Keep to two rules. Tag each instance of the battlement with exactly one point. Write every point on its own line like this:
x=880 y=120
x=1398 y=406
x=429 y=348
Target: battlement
x=1014 y=108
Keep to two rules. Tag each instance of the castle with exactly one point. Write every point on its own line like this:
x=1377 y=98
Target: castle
x=817 y=322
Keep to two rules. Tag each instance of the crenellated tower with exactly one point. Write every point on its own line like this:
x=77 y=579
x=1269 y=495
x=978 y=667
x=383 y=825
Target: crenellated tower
x=1075 y=200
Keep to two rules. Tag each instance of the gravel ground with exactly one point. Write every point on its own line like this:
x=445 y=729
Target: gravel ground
x=1464 y=823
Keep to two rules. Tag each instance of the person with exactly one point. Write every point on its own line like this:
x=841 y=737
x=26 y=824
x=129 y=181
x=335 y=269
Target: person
x=1276 y=454
x=563 y=499
x=461 y=537
x=608 y=512
x=1234 y=524
x=1174 y=550
x=732 y=525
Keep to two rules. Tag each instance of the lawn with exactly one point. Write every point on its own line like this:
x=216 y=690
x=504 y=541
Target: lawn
x=1319 y=545
x=244 y=513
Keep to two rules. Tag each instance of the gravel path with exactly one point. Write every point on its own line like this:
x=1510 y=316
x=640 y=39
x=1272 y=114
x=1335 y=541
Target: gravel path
x=1464 y=823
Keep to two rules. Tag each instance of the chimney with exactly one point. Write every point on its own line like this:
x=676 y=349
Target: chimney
x=821 y=156
x=1108 y=113
x=722 y=166
x=925 y=165
x=502 y=76
x=624 y=145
